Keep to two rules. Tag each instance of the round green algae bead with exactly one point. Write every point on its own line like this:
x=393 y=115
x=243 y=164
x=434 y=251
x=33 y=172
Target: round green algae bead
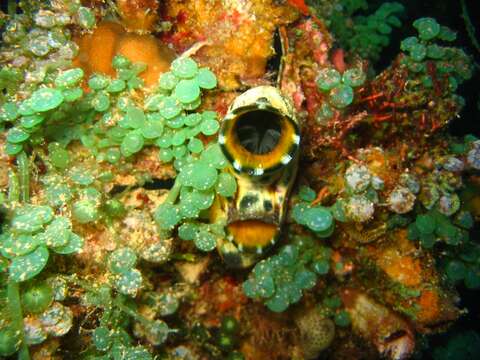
x=30 y=121
x=209 y=127
x=132 y=143
x=12 y=149
x=71 y=95
x=318 y=218
x=85 y=211
x=206 y=79
x=418 y=52
x=354 y=77
x=225 y=342
x=32 y=219
x=229 y=325
x=25 y=267
x=328 y=78
x=168 y=81
x=135 y=83
x=278 y=303
x=288 y=255
x=214 y=156
x=57 y=233
x=129 y=282
x=193 y=119
x=178 y=138
x=152 y=103
x=203 y=176
x=226 y=185
x=98 y=82
x=447 y=34
x=169 y=107
x=165 y=155
x=39 y=45
x=193 y=105
x=408 y=43
x=17 y=135
x=298 y=213
x=235 y=355
x=176 y=123
x=135 y=117
x=342 y=318
x=428 y=28
x=187 y=91
x=425 y=223
x=69 y=78
x=179 y=151
x=321 y=267
x=9 y=112
x=341 y=96
x=184 y=68
x=195 y=146
x=435 y=52
x=25 y=108
x=114 y=208
x=158 y=332
x=101 y=101
x=86 y=17
x=307 y=194
x=455 y=270
x=81 y=176
x=9 y=341
x=116 y=86
x=188 y=211
x=324 y=114
x=305 y=279
x=46 y=99
x=113 y=155
x=202 y=199
x=152 y=130
x=121 y=62
x=187 y=231
x=464 y=219
x=74 y=245
x=122 y=259
x=167 y=216
x=168 y=304
x=37 y=297
x=102 y=338
x=17 y=245
x=165 y=141
x=204 y=240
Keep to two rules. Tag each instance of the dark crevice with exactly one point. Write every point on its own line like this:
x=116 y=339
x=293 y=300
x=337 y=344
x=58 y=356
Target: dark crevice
x=155 y=184
x=158 y=184
x=274 y=62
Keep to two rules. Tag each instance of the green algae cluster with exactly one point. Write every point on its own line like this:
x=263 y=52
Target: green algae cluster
x=339 y=87
x=359 y=29
x=450 y=62
x=280 y=280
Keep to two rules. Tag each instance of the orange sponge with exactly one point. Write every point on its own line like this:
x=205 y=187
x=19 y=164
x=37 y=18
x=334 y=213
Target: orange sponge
x=97 y=50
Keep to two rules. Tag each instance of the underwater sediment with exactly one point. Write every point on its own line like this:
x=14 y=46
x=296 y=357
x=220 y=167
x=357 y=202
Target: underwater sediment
x=222 y=179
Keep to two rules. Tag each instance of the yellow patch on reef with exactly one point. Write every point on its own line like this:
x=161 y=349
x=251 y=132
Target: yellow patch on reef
x=398 y=263
x=252 y=233
x=96 y=51
x=138 y=15
x=429 y=306
x=239 y=35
